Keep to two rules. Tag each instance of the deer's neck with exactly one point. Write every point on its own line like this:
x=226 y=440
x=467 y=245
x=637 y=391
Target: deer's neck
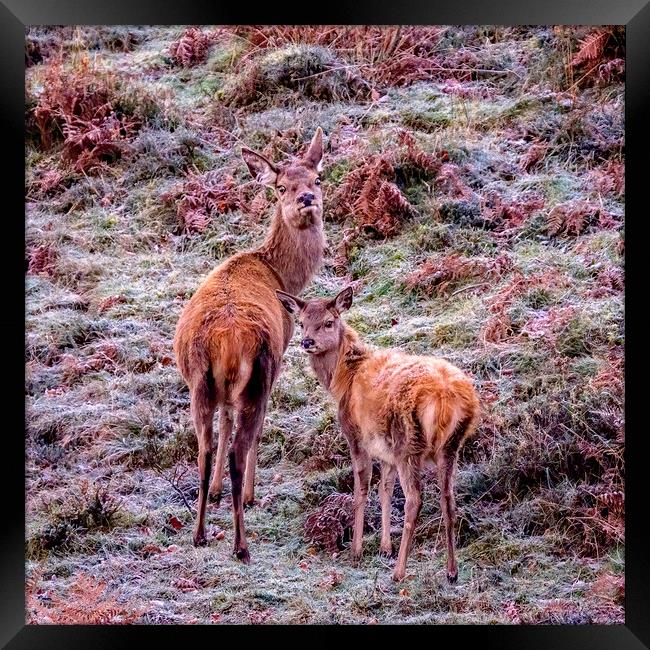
x=336 y=369
x=294 y=253
x=324 y=365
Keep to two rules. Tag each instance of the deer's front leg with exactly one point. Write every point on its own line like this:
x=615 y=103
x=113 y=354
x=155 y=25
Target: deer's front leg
x=362 y=467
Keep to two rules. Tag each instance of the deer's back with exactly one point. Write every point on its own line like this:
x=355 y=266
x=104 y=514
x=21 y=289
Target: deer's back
x=231 y=316
x=406 y=404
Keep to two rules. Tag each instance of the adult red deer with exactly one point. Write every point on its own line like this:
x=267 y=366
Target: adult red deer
x=399 y=408
x=233 y=332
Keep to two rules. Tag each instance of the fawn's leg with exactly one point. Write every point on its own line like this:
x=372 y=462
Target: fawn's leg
x=202 y=408
x=362 y=467
x=446 y=459
x=225 y=432
x=409 y=477
x=386 y=487
x=446 y=462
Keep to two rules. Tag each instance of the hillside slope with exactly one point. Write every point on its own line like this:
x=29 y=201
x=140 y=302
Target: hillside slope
x=474 y=186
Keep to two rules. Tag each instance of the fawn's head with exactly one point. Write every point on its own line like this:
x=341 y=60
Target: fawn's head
x=320 y=319
x=296 y=184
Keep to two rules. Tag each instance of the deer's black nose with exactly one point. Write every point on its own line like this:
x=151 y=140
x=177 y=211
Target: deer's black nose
x=306 y=198
x=307 y=343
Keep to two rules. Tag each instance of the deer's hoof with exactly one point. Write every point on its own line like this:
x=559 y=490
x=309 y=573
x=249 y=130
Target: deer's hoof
x=249 y=503
x=216 y=497
x=200 y=539
x=452 y=577
x=398 y=575
x=242 y=555
x=387 y=551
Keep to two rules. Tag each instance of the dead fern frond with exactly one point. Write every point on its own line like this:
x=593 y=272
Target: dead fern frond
x=449 y=182
x=548 y=324
x=572 y=217
x=503 y=213
x=42 y=259
x=370 y=193
x=382 y=207
x=601 y=55
x=611 y=71
x=370 y=196
x=592 y=46
x=533 y=156
x=87 y=601
x=90 y=145
x=105 y=357
x=201 y=197
x=327 y=526
x=412 y=161
x=45 y=182
x=607 y=179
x=340 y=261
x=191 y=48
x=438 y=275
x=499 y=326
x=86 y=108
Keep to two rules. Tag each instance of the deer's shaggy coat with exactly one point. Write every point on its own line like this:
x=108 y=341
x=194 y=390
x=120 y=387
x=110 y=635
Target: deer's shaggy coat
x=398 y=408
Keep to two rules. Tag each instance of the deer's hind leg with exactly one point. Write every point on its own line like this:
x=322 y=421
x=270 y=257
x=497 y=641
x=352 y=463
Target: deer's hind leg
x=251 y=460
x=409 y=476
x=386 y=487
x=251 y=412
x=446 y=459
x=225 y=432
x=203 y=404
x=251 y=464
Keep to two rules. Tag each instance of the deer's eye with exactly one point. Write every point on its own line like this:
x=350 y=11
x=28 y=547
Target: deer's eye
x=282 y=189
x=317 y=181
x=329 y=323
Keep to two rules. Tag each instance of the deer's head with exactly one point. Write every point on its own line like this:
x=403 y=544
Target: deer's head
x=296 y=184
x=319 y=319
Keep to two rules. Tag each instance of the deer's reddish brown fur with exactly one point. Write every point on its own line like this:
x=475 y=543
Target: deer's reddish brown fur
x=233 y=332
x=399 y=408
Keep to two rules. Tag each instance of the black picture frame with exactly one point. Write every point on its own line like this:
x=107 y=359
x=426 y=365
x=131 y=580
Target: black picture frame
x=16 y=14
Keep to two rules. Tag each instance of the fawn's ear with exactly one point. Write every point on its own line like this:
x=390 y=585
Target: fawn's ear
x=314 y=155
x=261 y=169
x=289 y=302
x=343 y=301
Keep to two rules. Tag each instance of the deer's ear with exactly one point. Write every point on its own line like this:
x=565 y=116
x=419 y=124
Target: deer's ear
x=289 y=302
x=343 y=301
x=314 y=155
x=261 y=169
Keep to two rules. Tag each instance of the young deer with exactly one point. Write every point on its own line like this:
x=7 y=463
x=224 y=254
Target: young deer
x=232 y=334
x=401 y=409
